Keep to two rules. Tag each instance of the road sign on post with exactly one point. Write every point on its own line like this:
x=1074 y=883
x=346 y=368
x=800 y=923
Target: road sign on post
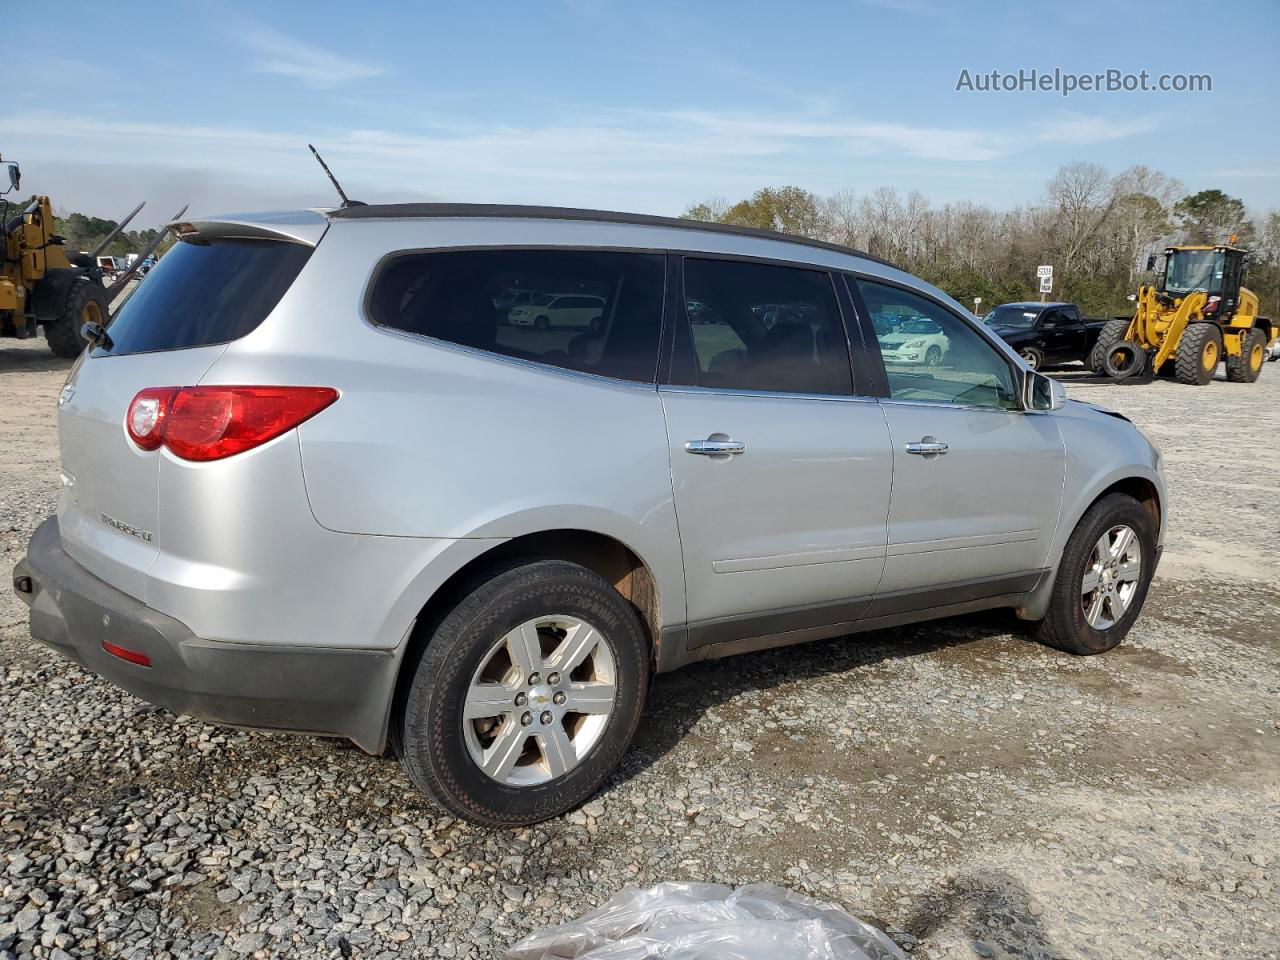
x=1045 y=273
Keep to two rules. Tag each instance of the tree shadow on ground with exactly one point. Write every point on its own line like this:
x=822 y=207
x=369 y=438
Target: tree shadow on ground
x=31 y=361
x=678 y=700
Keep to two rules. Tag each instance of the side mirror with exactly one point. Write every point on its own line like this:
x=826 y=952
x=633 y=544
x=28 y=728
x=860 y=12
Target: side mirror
x=1151 y=263
x=15 y=176
x=1132 y=298
x=1042 y=393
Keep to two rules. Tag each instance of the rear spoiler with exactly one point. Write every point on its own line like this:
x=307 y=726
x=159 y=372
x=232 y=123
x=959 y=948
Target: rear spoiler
x=295 y=226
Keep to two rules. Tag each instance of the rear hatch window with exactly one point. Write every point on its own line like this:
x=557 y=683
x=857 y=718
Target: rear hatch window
x=205 y=292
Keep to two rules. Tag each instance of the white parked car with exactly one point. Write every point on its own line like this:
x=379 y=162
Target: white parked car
x=919 y=340
x=558 y=310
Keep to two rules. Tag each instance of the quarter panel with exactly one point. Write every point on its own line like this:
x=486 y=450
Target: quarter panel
x=242 y=559
x=429 y=440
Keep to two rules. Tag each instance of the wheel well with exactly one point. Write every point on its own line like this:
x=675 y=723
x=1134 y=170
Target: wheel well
x=611 y=559
x=1142 y=490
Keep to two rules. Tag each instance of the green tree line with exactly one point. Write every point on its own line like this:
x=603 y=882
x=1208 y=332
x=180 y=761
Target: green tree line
x=1097 y=230
x=84 y=233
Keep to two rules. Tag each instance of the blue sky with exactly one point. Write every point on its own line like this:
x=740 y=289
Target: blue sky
x=644 y=106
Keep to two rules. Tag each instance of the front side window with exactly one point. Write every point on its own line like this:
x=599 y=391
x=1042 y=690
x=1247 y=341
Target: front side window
x=761 y=327
x=930 y=354
x=594 y=312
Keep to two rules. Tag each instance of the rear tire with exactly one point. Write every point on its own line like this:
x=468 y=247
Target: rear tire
x=85 y=300
x=1067 y=625
x=1111 y=334
x=1198 y=354
x=1253 y=354
x=477 y=659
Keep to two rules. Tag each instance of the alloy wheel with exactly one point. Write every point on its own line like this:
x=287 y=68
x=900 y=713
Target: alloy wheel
x=539 y=701
x=1111 y=579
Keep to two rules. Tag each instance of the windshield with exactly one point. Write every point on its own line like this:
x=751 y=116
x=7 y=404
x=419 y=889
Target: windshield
x=1188 y=270
x=1010 y=315
x=543 y=300
x=917 y=326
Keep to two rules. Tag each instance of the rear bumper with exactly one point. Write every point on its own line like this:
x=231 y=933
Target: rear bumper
x=333 y=692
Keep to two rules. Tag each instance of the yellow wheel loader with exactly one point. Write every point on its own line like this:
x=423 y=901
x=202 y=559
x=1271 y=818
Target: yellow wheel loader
x=41 y=284
x=1194 y=317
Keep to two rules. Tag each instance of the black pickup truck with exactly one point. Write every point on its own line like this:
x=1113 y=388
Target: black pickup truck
x=1045 y=333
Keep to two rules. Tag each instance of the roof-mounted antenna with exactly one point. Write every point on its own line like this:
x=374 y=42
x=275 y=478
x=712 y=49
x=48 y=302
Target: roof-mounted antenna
x=334 y=180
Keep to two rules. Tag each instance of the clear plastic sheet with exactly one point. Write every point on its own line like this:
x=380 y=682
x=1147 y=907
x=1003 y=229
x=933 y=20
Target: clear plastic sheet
x=709 y=921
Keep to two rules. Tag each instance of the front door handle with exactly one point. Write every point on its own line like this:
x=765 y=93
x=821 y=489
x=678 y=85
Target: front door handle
x=929 y=447
x=713 y=447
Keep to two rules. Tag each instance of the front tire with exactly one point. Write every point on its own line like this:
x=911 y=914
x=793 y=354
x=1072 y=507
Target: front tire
x=1103 y=577
x=1113 y=331
x=933 y=356
x=541 y=323
x=526 y=696
x=1198 y=353
x=1033 y=357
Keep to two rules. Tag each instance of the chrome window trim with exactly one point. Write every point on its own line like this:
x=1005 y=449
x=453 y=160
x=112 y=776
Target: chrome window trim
x=770 y=394
x=943 y=405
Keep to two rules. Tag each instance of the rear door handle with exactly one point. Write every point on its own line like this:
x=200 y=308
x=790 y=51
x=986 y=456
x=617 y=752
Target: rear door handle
x=927 y=447
x=715 y=448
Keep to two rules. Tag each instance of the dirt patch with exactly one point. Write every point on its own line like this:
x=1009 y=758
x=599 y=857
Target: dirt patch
x=200 y=908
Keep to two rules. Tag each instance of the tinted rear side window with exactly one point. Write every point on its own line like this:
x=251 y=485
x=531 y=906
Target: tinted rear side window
x=754 y=326
x=594 y=312
x=204 y=293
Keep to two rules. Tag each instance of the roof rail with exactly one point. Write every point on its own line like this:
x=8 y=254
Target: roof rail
x=398 y=211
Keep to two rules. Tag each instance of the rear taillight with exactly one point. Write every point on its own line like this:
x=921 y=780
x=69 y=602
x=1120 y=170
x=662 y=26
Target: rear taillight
x=209 y=423
x=146 y=416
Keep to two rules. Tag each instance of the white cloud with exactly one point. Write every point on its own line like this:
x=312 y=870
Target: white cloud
x=314 y=67
x=640 y=160
x=1084 y=129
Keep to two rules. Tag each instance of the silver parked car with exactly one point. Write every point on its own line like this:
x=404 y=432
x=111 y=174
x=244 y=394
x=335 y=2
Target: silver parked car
x=312 y=482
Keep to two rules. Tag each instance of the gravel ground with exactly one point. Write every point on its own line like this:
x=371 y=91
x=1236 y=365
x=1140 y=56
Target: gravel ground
x=970 y=792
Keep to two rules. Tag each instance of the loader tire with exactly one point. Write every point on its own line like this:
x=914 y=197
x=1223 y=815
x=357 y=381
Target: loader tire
x=1198 y=354
x=1111 y=334
x=85 y=301
x=1123 y=360
x=1253 y=354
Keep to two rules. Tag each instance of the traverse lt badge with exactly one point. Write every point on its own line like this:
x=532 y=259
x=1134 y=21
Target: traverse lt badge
x=143 y=535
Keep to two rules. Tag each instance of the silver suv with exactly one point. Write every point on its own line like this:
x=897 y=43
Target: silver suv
x=314 y=480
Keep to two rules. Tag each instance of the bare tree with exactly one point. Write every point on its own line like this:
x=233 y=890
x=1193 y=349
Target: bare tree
x=1084 y=198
